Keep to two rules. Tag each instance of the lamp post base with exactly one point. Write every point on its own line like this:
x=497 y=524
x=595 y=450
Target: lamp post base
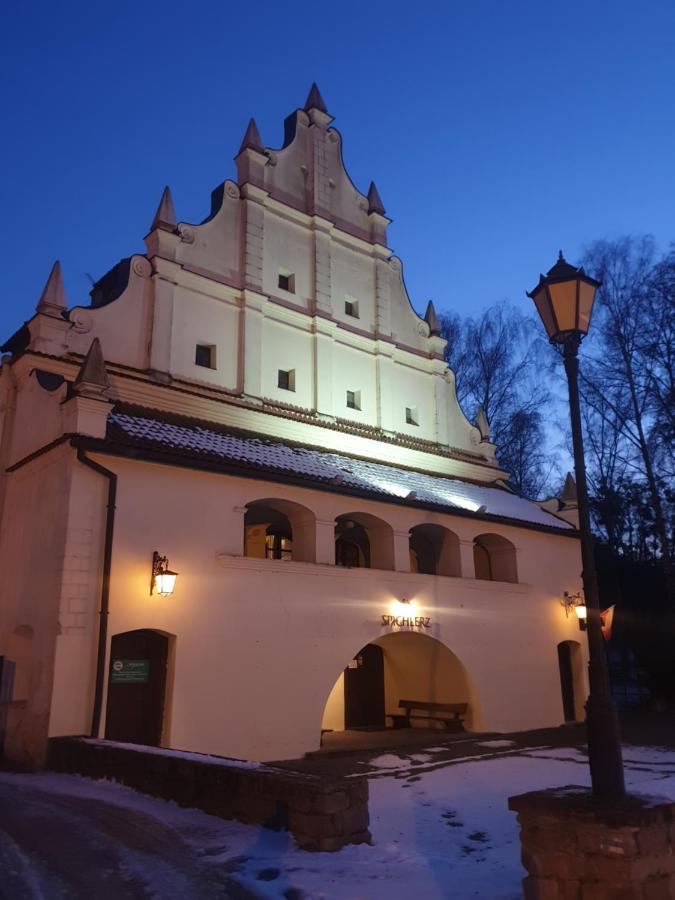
x=604 y=749
x=574 y=845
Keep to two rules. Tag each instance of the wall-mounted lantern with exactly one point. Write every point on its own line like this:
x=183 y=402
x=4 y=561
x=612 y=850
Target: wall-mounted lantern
x=575 y=602
x=403 y=606
x=163 y=579
x=580 y=610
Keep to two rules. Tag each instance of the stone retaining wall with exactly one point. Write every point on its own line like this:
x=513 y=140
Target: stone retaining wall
x=320 y=813
x=574 y=847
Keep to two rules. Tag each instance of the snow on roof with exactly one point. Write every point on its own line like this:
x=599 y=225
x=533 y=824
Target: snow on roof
x=197 y=441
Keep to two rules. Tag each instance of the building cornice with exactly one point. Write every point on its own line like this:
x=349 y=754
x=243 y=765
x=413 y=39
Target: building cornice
x=273 y=419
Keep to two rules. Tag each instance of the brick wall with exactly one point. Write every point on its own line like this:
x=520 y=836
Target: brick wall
x=320 y=813
x=574 y=847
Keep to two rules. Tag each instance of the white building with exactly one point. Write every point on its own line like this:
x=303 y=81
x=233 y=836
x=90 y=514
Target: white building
x=274 y=417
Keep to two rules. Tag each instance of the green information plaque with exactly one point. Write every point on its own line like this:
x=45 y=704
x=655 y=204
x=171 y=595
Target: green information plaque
x=129 y=671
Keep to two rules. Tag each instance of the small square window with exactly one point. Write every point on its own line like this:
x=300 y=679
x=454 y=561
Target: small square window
x=286 y=379
x=411 y=415
x=354 y=399
x=287 y=281
x=205 y=356
x=351 y=308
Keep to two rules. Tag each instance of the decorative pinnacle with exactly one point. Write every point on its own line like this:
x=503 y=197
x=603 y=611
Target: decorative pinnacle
x=431 y=319
x=374 y=203
x=252 y=140
x=315 y=100
x=92 y=379
x=53 y=297
x=165 y=217
x=569 y=491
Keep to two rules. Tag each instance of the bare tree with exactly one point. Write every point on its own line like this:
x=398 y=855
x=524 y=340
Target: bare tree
x=495 y=359
x=626 y=378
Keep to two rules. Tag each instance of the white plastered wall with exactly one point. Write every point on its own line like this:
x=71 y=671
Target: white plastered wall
x=202 y=319
x=32 y=542
x=261 y=643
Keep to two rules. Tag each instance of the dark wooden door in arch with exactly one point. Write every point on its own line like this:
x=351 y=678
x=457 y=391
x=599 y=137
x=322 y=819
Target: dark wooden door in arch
x=364 y=689
x=566 y=680
x=137 y=687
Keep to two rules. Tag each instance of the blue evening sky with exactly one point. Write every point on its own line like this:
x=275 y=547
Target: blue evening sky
x=497 y=132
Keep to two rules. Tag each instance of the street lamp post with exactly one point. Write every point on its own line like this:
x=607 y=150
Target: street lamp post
x=564 y=300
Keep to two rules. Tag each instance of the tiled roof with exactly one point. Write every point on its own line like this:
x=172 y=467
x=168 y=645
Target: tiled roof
x=195 y=441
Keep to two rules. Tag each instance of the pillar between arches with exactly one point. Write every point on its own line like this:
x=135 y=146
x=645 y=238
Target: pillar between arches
x=325 y=542
x=402 y=551
x=468 y=566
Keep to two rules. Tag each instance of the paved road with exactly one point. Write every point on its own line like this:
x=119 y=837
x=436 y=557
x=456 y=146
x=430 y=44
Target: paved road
x=54 y=846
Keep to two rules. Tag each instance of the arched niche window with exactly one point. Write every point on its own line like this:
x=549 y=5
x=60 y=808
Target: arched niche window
x=494 y=558
x=363 y=541
x=434 y=550
x=279 y=529
x=352 y=547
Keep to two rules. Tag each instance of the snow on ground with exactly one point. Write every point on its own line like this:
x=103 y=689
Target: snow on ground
x=206 y=758
x=439 y=831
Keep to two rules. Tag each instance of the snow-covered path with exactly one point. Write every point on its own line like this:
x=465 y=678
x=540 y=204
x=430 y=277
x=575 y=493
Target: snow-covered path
x=441 y=831
x=55 y=845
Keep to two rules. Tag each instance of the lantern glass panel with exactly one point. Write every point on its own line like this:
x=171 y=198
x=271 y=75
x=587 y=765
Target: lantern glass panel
x=586 y=297
x=580 y=611
x=165 y=583
x=564 y=299
x=544 y=309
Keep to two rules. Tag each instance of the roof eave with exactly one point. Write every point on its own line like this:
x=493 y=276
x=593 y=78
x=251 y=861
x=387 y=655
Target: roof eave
x=229 y=467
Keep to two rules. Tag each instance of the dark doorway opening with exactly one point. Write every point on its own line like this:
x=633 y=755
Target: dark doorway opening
x=567 y=680
x=364 y=689
x=137 y=687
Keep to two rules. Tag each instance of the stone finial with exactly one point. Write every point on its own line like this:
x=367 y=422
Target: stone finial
x=165 y=217
x=431 y=319
x=252 y=140
x=315 y=100
x=568 y=495
x=374 y=203
x=92 y=379
x=53 y=297
x=482 y=423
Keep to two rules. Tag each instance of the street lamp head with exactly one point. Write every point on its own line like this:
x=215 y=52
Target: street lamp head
x=564 y=300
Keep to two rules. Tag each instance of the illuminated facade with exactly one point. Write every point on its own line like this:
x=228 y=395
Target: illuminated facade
x=256 y=401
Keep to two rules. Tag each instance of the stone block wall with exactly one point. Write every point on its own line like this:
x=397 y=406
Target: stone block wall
x=321 y=814
x=575 y=847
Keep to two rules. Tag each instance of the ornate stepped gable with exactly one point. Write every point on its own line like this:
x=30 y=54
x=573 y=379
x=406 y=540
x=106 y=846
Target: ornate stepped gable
x=289 y=274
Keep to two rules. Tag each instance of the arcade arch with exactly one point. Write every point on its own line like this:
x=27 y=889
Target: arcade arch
x=279 y=529
x=494 y=558
x=434 y=550
x=363 y=541
x=402 y=664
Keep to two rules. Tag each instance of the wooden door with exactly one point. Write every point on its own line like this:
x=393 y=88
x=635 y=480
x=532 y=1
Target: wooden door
x=566 y=681
x=137 y=687
x=364 y=689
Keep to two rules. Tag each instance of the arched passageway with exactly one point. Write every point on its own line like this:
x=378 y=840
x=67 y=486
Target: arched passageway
x=396 y=666
x=137 y=687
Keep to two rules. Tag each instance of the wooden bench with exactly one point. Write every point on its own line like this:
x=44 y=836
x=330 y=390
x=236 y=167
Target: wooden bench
x=451 y=714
